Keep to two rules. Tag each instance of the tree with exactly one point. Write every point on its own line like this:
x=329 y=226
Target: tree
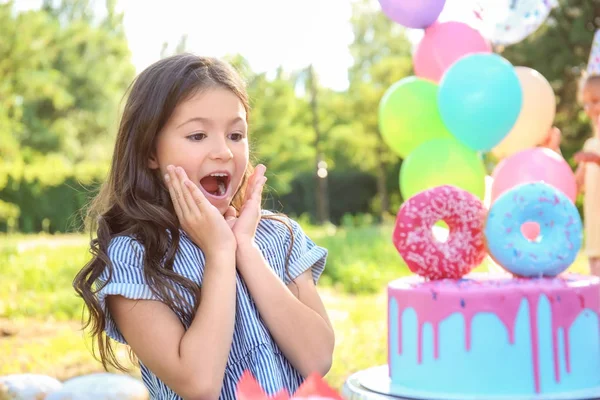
x=64 y=71
x=559 y=50
x=382 y=56
x=181 y=47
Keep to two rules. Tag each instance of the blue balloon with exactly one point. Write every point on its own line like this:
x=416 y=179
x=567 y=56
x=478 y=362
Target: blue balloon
x=480 y=98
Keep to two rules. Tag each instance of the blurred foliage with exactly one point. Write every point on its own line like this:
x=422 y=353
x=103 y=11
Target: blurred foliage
x=64 y=71
x=559 y=50
x=67 y=64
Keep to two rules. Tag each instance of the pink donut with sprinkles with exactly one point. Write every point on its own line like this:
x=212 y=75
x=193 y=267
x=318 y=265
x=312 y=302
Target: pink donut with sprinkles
x=413 y=237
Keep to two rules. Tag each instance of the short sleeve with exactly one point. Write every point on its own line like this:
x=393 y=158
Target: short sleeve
x=305 y=254
x=127 y=279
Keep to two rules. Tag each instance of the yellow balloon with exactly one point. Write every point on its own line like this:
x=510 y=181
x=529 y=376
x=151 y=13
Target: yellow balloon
x=536 y=116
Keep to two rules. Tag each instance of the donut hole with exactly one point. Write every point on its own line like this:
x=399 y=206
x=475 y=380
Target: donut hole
x=531 y=231
x=440 y=231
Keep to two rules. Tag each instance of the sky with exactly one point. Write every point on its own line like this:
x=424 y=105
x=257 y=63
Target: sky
x=268 y=33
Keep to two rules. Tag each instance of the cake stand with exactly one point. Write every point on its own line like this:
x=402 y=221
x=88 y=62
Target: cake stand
x=374 y=383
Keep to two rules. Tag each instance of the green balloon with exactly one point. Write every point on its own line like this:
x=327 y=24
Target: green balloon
x=442 y=162
x=409 y=115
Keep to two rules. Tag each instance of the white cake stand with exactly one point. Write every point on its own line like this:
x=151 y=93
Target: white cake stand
x=374 y=383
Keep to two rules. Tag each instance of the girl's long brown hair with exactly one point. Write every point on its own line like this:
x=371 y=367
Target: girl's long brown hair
x=134 y=202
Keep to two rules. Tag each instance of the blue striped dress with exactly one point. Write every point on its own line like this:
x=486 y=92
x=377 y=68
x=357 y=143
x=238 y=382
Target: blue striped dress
x=253 y=348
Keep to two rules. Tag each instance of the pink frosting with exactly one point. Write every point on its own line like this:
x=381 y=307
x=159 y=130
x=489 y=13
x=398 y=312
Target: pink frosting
x=433 y=301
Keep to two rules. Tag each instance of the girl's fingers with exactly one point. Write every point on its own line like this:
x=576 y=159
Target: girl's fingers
x=177 y=187
x=257 y=192
x=261 y=186
x=197 y=198
x=259 y=171
x=259 y=178
x=231 y=213
x=187 y=188
x=174 y=198
x=255 y=180
x=250 y=186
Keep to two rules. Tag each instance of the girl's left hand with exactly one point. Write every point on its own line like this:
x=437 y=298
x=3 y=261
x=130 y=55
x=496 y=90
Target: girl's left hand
x=244 y=226
x=586 y=156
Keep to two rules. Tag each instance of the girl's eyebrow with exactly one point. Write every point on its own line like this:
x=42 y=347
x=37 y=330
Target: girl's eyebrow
x=196 y=119
x=208 y=121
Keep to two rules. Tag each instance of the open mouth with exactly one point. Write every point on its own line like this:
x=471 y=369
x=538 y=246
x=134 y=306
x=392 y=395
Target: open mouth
x=216 y=184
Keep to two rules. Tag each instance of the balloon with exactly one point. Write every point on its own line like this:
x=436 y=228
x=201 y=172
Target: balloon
x=487 y=198
x=409 y=116
x=440 y=48
x=413 y=14
x=533 y=165
x=506 y=22
x=480 y=100
x=442 y=162
x=536 y=117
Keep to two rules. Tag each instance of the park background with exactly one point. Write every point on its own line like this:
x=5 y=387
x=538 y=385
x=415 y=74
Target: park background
x=65 y=66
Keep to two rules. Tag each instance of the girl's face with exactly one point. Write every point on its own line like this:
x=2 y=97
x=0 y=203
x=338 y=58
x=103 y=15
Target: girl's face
x=591 y=100
x=207 y=136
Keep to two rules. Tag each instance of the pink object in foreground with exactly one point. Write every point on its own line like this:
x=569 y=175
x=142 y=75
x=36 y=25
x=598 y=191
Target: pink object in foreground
x=534 y=165
x=313 y=387
x=443 y=44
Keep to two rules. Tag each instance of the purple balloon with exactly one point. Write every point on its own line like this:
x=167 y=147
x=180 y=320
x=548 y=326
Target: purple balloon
x=417 y=14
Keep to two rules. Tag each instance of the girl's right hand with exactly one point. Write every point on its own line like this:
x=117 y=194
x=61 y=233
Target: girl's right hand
x=552 y=140
x=200 y=220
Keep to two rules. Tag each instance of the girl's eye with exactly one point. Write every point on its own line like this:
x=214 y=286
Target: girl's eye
x=197 y=136
x=236 y=136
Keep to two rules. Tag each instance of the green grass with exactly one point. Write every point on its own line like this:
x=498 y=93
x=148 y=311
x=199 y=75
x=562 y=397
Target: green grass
x=40 y=330
x=37 y=273
x=59 y=348
x=361 y=259
x=38 y=270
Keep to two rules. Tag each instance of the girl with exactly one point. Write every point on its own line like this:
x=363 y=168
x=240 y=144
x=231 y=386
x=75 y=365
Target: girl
x=588 y=171
x=187 y=270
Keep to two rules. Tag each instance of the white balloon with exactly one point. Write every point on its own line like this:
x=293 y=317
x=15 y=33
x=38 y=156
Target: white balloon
x=506 y=22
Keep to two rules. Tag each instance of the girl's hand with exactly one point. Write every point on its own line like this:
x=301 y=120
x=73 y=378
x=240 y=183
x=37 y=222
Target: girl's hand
x=552 y=140
x=244 y=226
x=200 y=220
x=587 y=156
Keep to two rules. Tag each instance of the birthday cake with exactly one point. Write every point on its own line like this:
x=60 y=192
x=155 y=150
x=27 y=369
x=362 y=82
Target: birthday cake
x=530 y=331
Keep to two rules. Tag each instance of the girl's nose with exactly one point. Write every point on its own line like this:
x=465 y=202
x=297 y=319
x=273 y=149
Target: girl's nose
x=220 y=150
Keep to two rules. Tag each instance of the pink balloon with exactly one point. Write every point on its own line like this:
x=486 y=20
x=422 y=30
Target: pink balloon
x=443 y=44
x=534 y=165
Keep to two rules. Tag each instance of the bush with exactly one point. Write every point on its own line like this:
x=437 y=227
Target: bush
x=349 y=193
x=361 y=259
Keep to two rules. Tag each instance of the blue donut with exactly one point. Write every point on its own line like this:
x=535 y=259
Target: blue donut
x=560 y=230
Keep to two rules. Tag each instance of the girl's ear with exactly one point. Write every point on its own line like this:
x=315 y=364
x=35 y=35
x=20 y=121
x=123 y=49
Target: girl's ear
x=153 y=162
